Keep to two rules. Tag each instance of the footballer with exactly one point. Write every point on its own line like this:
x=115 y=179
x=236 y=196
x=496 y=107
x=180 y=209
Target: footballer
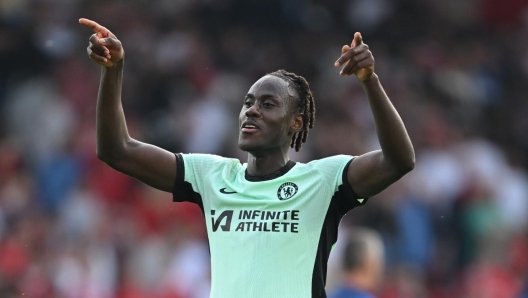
x=271 y=222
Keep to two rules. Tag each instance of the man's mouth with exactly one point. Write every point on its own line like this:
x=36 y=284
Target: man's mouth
x=249 y=127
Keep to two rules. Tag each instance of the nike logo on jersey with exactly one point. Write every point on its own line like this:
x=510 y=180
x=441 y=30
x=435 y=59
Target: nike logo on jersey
x=223 y=190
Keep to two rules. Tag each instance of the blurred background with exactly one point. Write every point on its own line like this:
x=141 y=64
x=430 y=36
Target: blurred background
x=456 y=70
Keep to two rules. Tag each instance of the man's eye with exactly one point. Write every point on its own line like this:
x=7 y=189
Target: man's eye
x=247 y=104
x=267 y=105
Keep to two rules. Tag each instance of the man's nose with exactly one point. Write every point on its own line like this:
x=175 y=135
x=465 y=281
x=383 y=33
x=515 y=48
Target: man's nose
x=253 y=111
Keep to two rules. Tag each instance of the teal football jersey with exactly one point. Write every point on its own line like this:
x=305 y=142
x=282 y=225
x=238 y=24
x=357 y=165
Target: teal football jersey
x=269 y=236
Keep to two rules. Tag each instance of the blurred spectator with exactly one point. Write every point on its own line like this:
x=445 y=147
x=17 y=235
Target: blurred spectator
x=363 y=264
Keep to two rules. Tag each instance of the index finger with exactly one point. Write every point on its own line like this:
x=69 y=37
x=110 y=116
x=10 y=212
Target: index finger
x=358 y=39
x=93 y=25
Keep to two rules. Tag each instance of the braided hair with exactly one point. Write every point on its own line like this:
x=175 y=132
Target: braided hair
x=306 y=105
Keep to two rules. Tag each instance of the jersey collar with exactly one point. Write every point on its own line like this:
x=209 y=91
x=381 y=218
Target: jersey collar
x=270 y=176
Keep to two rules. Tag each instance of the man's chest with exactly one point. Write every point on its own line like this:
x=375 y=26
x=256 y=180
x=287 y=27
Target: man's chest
x=286 y=206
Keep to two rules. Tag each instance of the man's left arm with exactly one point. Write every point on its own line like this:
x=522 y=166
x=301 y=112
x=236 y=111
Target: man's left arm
x=374 y=171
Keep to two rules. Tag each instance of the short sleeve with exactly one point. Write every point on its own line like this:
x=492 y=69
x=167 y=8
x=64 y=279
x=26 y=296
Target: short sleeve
x=335 y=172
x=192 y=172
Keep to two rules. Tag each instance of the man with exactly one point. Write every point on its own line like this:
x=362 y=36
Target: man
x=362 y=261
x=271 y=222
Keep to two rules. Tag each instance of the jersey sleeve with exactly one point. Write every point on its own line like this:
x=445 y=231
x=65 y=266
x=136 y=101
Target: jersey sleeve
x=335 y=172
x=192 y=172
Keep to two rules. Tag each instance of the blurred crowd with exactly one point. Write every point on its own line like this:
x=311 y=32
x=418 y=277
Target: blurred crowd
x=457 y=71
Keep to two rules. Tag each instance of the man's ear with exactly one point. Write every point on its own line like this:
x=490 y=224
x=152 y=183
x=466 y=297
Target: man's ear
x=297 y=124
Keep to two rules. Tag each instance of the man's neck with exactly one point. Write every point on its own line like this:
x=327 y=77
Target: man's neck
x=263 y=164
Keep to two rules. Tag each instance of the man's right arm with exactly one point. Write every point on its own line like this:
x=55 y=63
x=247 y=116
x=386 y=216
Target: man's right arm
x=147 y=163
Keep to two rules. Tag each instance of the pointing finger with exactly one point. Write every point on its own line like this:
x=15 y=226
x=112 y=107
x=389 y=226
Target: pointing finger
x=358 y=39
x=94 y=26
x=90 y=24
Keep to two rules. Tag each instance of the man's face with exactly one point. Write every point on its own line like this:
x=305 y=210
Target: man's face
x=267 y=119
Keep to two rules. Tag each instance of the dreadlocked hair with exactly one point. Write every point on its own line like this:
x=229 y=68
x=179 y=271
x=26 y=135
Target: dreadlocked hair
x=306 y=105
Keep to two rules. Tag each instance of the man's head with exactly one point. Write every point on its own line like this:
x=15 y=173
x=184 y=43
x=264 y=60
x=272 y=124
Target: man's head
x=363 y=259
x=278 y=112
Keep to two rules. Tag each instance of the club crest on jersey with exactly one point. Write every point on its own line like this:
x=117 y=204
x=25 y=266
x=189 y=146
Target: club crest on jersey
x=287 y=191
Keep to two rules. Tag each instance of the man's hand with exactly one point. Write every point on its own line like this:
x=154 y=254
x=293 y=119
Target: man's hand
x=357 y=59
x=104 y=47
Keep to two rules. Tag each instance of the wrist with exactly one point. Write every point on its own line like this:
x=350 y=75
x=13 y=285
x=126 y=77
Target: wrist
x=116 y=66
x=372 y=79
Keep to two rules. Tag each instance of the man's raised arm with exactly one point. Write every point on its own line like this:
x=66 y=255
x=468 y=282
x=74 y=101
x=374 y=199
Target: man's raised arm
x=372 y=172
x=147 y=163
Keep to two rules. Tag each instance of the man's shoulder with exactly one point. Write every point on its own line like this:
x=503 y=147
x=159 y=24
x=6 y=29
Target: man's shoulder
x=332 y=165
x=209 y=164
x=209 y=158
